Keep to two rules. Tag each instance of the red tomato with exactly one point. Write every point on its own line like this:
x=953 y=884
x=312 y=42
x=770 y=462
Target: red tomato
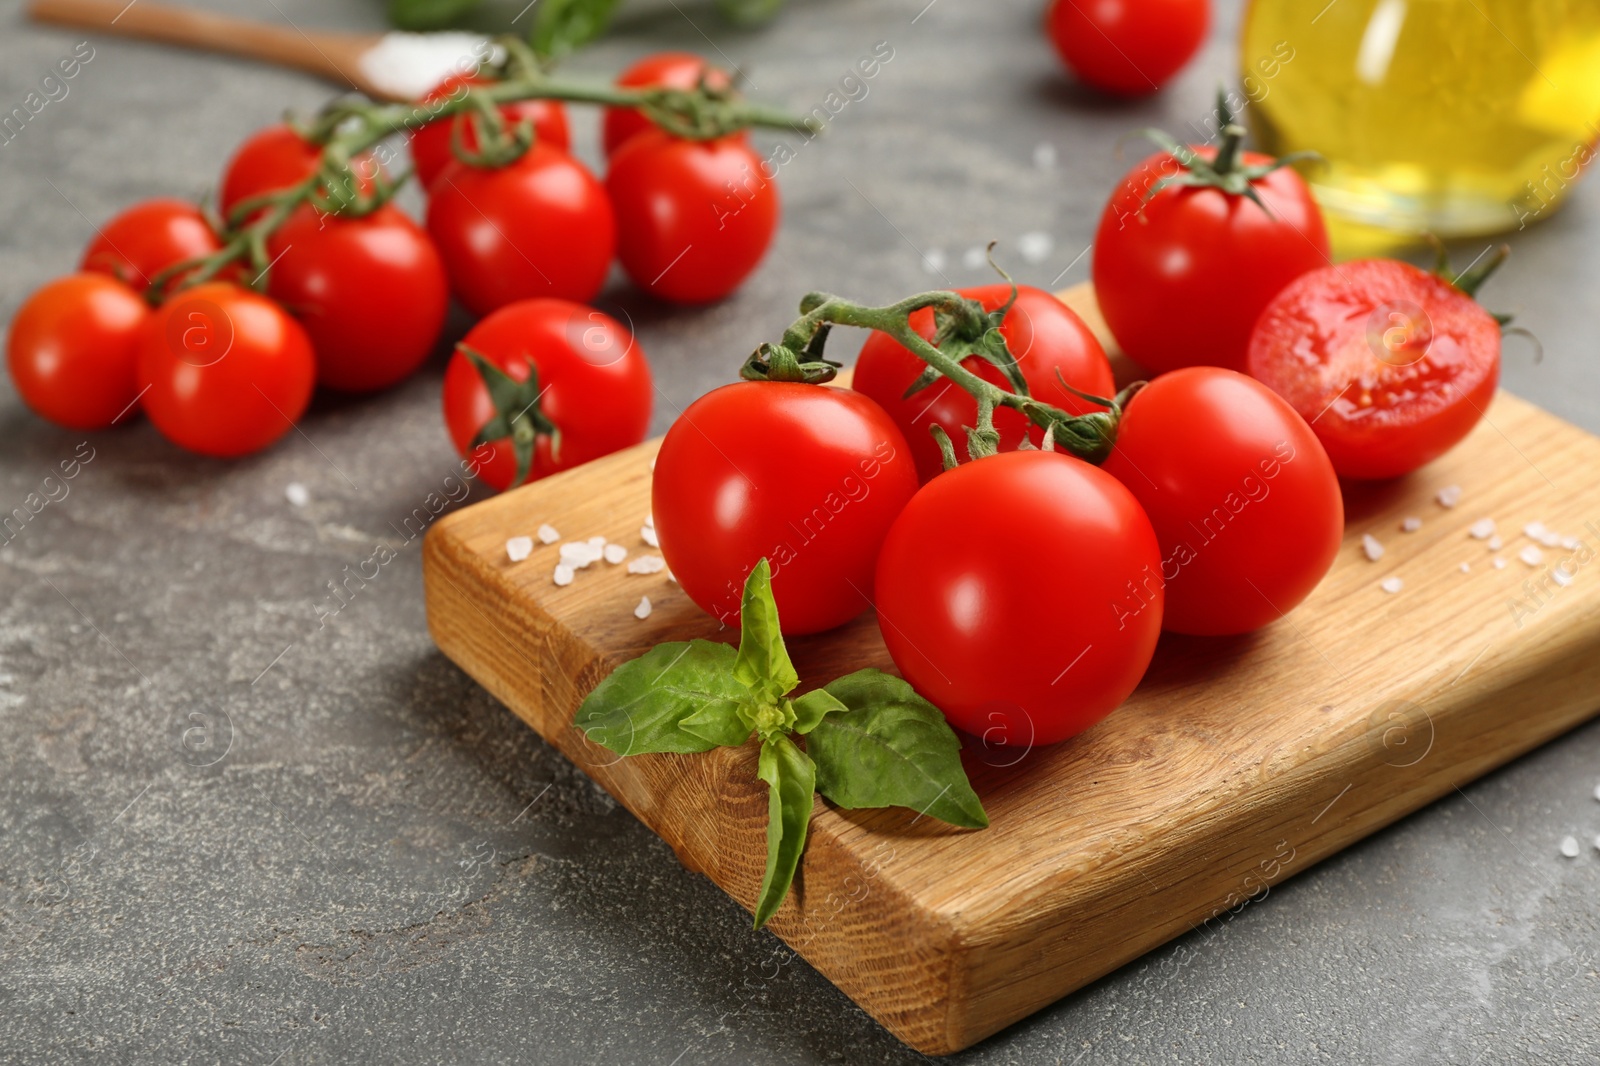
x=1241 y=495
x=593 y=383
x=808 y=477
x=147 y=238
x=1041 y=332
x=1130 y=47
x=431 y=145
x=996 y=594
x=1182 y=281
x=1391 y=365
x=225 y=371
x=693 y=217
x=667 y=70
x=370 y=291
x=276 y=158
x=71 y=350
x=539 y=227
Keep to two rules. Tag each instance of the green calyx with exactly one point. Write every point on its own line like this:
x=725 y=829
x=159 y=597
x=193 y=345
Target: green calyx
x=517 y=414
x=1226 y=170
x=869 y=739
x=962 y=329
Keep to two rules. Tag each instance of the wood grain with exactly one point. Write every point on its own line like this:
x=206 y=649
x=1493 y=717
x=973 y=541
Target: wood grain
x=1237 y=763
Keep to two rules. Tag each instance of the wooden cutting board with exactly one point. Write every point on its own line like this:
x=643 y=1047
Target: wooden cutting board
x=1237 y=763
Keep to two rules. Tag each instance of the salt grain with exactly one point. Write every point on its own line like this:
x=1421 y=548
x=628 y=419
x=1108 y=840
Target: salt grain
x=973 y=258
x=1572 y=544
x=1411 y=525
x=1391 y=584
x=1482 y=529
x=1499 y=564
x=648 y=535
x=933 y=262
x=1371 y=547
x=1044 y=156
x=1466 y=568
x=1597 y=792
x=407 y=65
x=1531 y=555
x=1035 y=247
x=615 y=553
x=1449 y=496
x=1569 y=847
x=647 y=564
x=578 y=554
x=1495 y=543
x=1597 y=843
x=563 y=575
x=1561 y=577
x=296 y=494
x=548 y=535
x=519 y=548
x=1534 y=530
x=642 y=611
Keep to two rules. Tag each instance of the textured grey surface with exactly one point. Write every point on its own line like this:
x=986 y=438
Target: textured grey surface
x=386 y=866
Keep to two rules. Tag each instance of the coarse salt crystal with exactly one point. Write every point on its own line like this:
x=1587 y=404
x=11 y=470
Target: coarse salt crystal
x=1411 y=525
x=615 y=553
x=1569 y=847
x=648 y=535
x=1495 y=543
x=973 y=258
x=579 y=553
x=1391 y=584
x=547 y=534
x=1035 y=247
x=1482 y=529
x=519 y=548
x=1044 y=155
x=597 y=542
x=1561 y=577
x=933 y=262
x=1551 y=539
x=1371 y=548
x=1499 y=564
x=1597 y=843
x=1531 y=555
x=563 y=575
x=642 y=611
x=297 y=494
x=1597 y=792
x=1449 y=496
x=672 y=577
x=647 y=564
x=650 y=519
x=1534 y=530
x=1572 y=544
x=1466 y=568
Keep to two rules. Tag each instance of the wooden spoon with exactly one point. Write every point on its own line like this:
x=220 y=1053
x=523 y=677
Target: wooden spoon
x=364 y=61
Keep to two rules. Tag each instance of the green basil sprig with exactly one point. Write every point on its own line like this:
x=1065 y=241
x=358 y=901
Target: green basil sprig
x=869 y=739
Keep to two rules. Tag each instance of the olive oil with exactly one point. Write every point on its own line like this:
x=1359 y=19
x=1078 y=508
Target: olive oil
x=1453 y=117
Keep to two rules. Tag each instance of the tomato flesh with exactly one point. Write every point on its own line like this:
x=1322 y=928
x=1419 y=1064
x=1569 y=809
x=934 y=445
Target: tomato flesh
x=808 y=477
x=1391 y=365
x=1127 y=47
x=1042 y=333
x=996 y=589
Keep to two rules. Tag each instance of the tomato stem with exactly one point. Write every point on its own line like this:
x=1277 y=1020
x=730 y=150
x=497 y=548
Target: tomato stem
x=353 y=125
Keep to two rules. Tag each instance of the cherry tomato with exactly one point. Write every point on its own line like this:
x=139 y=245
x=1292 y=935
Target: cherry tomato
x=431 y=145
x=1043 y=335
x=148 y=238
x=1129 y=47
x=276 y=158
x=997 y=590
x=370 y=291
x=539 y=227
x=225 y=371
x=694 y=218
x=593 y=383
x=1241 y=495
x=1391 y=365
x=71 y=350
x=1182 y=280
x=807 y=476
x=667 y=70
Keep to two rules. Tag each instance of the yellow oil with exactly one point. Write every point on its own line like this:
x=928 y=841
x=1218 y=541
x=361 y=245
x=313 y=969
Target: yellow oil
x=1452 y=117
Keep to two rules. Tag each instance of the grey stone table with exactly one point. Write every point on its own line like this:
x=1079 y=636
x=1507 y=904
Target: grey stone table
x=229 y=833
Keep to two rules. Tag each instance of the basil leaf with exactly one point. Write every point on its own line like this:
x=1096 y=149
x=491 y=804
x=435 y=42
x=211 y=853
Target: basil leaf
x=644 y=705
x=791 y=779
x=891 y=748
x=429 y=14
x=748 y=12
x=810 y=709
x=564 y=26
x=763 y=662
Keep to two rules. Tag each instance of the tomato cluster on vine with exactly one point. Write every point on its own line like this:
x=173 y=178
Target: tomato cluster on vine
x=218 y=325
